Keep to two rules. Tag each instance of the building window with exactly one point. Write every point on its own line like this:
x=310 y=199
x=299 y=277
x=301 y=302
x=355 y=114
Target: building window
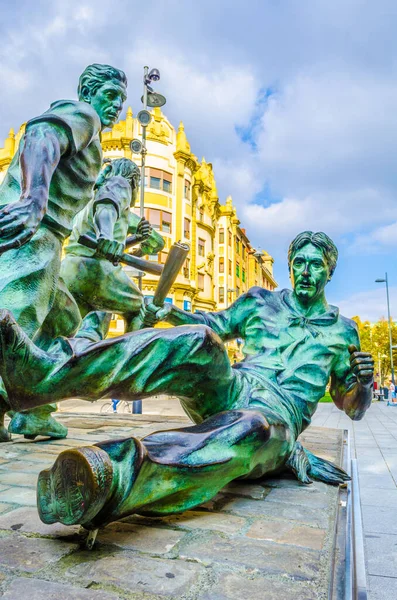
x=221 y=236
x=237 y=270
x=167 y=186
x=158 y=179
x=243 y=276
x=155 y=182
x=230 y=238
x=237 y=246
x=243 y=251
x=230 y=267
x=201 y=247
x=237 y=292
x=187 y=305
x=200 y=282
x=221 y=295
x=159 y=219
x=153 y=257
x=166 y=222
x=186 y=269
x=201 y=214
x=187 y=189
x=186 y=228
x=221 y=264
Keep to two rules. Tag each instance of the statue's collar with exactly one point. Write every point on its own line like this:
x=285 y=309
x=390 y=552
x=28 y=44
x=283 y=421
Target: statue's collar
x=326 y=318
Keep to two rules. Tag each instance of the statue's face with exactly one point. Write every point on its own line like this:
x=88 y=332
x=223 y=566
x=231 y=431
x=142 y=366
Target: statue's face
x=108 y=101
x=309 y=273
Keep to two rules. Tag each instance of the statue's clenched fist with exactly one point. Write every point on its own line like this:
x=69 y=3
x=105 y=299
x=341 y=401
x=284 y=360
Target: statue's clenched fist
x=110 y=249
x=153 y=314
x=362 y=365
x=143 y=230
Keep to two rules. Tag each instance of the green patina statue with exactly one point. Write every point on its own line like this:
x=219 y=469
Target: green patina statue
x=99 y=284
x=50 y=180
x=248 y=416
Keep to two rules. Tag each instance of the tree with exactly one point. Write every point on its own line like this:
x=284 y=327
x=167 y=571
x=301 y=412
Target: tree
x=375 y=339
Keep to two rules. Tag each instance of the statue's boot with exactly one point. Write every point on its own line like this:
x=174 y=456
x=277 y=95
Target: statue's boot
x=4 y=435
x=38 y=421
x=164 y=473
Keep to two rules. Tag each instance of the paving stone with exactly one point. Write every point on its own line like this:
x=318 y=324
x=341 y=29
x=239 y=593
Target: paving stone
x=208 y=520
x=378 y=497
x=38 y=589
x=381 y=553
x=256 y=492
x=307 y=496
x=381 y=520
x=287 y=533
x=27 y=520
x=19 y=479
x=139 y=537
x=21 y=465
x=31 y=554
x=19 y=495
x=139 y=575
x=382 y=588
x=278 y=510
x=272 y=559
x=236 y=587
x=5 y=507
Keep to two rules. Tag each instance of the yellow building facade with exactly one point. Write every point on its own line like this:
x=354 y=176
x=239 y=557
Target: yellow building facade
x=181 y=202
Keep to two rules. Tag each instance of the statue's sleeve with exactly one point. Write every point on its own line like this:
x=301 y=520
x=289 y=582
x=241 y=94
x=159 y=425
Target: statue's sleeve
x=78 y=120
x=342 y=376
x=115 y=191
x=229 y=323
x=153 y=244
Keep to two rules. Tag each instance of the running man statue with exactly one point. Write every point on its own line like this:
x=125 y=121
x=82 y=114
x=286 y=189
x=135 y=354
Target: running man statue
x=248 y=416
x=50 y=179
x=96 y=283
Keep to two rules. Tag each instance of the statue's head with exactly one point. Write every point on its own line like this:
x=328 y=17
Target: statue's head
x=123 y=167
x=312 y=260
x=105 y=88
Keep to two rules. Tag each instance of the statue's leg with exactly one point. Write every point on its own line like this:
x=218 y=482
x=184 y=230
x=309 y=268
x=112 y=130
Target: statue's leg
x=28 y=284
x=62 y=320
x=165 y=472
x=185 y=361
x=97 y=283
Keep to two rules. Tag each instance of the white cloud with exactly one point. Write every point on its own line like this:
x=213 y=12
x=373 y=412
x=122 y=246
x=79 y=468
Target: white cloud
x=369 y=304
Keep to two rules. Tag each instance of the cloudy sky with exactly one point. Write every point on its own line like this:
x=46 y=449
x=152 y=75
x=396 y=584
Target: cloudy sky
x=293 y=102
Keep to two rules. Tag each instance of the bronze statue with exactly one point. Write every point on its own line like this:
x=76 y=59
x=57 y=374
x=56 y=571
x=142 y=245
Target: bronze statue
x=248 y=416
x=51 y=179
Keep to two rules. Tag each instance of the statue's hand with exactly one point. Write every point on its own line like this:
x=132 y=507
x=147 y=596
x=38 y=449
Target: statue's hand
x=110 y=249
x=18 y=223
x=152 y=314
x=143 y=230
x=362 y=365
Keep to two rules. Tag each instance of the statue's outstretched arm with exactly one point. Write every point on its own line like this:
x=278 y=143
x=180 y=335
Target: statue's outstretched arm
x=42 y=147
x=352 y=382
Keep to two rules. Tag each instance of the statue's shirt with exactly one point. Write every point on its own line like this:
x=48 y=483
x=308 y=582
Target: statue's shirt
x=116 y=191
x=72 y=183
x=288 y=355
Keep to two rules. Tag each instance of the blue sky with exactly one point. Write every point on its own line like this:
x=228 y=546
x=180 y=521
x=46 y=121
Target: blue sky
x=293 y=102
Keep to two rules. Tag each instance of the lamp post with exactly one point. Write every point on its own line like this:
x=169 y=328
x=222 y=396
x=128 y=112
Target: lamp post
x=385 y=280
x=149 y=99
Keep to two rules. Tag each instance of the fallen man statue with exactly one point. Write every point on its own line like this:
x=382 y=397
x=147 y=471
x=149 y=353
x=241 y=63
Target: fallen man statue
x=248 y=416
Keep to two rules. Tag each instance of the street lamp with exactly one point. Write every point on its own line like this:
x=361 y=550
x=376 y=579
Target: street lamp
x=149 y=99
x=385 y=280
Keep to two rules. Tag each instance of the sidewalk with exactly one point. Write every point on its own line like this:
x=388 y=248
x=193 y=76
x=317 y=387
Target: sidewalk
x=270 y=539
x=374 y=444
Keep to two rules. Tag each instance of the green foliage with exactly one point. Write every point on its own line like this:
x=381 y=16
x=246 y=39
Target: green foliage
x=375 y=339
x=326 y=397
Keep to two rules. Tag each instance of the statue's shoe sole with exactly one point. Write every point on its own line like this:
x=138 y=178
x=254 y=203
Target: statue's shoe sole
x=75 y=489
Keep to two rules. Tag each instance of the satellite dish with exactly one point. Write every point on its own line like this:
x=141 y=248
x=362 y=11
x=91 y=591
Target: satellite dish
x=154 y=99
x=136 y=146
